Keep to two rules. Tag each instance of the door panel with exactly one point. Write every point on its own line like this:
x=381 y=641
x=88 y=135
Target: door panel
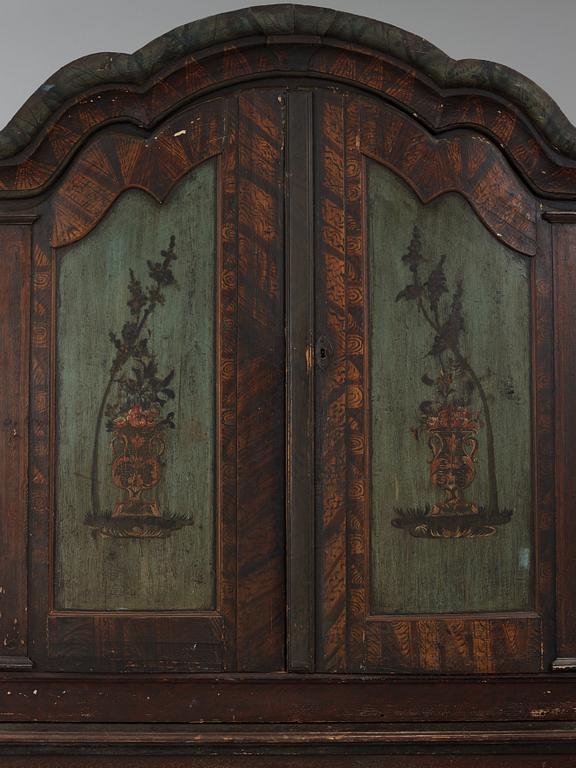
x=450 y=412
x=139 y=327
x=428 y=535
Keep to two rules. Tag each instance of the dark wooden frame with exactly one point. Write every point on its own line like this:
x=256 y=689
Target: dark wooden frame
x=505 y=707
x=16 y=239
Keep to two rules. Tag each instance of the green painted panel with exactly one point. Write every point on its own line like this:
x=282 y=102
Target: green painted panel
x=135 y=405
x=450 y=408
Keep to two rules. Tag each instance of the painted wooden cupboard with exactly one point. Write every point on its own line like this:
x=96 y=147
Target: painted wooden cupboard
x=287 y=409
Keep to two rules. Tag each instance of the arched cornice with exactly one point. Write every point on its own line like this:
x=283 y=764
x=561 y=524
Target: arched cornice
x=530 y=126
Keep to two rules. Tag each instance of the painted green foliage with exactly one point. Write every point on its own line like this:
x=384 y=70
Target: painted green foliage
x=450 y=407
x=135 y=354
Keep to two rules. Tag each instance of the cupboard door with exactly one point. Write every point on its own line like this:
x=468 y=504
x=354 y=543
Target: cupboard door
x=433 y=535
x=157 y=401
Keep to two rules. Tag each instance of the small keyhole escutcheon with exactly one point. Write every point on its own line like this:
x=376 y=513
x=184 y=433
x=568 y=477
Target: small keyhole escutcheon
x=323 y=352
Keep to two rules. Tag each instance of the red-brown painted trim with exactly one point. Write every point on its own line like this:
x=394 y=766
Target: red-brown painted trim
x=548 y=172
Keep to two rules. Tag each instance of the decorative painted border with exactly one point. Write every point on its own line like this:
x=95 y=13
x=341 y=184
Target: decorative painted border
x=100 y=69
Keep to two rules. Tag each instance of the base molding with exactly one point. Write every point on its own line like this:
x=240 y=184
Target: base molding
x=540 y=760
x=295 y=700
x=564 y=664
x=270 y=739
x=16 y=663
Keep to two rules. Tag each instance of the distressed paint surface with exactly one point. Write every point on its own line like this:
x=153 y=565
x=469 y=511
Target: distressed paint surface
x=411 y=575
x=176 y=572
x=284 y=19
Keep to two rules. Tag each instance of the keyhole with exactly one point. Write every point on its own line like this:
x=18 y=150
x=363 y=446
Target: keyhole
x=323 y=352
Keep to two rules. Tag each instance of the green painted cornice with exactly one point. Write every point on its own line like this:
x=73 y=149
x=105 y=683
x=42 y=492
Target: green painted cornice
x=101 y=69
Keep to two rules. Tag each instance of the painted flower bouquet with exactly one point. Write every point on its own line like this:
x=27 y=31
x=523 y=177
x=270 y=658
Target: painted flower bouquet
x=133 y=404
x=448 y=419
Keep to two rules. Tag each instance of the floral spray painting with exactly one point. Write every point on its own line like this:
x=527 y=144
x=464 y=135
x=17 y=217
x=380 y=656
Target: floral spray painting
x=133 y=404
x=447 y=419
x=136 y=405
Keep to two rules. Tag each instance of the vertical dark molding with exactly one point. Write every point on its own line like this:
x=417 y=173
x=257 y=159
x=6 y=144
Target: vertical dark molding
x=564 y=253
x=300 y=381
x=330 y=386
x=543 y=404
x=15 y=260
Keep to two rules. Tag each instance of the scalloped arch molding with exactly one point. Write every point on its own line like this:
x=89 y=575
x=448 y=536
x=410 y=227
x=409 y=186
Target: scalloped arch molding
x=136 y=68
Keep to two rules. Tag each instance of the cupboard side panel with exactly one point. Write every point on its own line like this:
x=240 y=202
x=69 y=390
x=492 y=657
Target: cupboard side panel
x=15 y=260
